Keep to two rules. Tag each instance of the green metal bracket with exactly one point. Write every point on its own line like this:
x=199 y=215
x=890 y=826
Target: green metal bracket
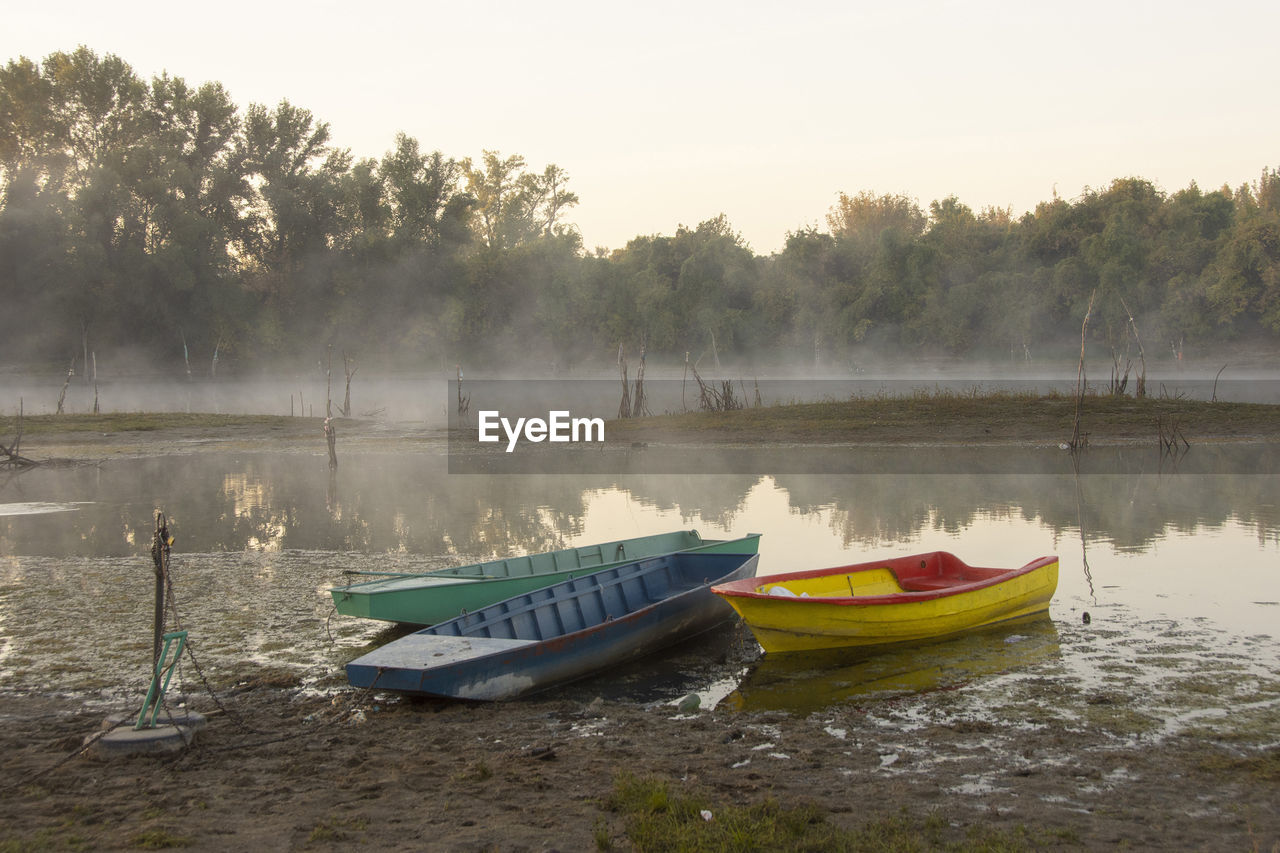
x=160 y=679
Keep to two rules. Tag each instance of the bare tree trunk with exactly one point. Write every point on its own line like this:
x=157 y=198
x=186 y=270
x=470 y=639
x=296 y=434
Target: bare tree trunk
x=328 y=387
x=1077 y=439
x=464 y=402
x=637 y=405
x=349 y=369
x=1214 y=398
x=331 y=438
x=1141 y=389
x=63 y=396
x=624 y=407
x=684 y=407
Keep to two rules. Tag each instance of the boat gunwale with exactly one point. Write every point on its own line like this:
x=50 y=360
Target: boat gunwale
x=748 y=588
x=451 y=574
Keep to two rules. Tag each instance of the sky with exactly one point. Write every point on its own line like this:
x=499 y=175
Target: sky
x=671 y=113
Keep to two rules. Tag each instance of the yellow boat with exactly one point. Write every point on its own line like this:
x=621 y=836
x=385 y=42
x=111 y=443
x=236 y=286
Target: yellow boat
x=904 y=599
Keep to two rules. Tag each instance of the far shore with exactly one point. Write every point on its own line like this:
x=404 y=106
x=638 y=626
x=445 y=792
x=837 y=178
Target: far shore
x=936 y=419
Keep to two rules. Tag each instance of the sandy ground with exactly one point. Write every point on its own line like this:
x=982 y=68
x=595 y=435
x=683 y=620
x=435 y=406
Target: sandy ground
x=277 y=768
x=274 y=771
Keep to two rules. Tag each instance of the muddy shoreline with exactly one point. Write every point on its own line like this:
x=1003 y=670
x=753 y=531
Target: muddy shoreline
x=278 y=770
x=283 y=767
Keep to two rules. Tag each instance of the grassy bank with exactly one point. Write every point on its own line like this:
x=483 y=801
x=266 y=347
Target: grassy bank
x=660 y=818
x=948 y=417
x=937 y=417
x=117 y=422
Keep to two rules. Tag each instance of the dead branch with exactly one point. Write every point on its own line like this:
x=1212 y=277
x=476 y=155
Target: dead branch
x=712 y=399
x=11 y=457
x=1169 y=435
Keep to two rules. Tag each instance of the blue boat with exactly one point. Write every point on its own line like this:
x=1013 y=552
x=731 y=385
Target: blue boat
x=559 y=633
x=431 y=597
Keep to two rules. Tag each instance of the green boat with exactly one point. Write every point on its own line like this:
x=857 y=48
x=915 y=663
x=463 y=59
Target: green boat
x=431 y=597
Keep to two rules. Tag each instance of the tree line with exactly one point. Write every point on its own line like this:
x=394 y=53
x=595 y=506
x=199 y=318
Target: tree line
x=161 y=217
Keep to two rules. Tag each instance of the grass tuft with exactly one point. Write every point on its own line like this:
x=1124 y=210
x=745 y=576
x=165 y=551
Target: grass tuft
x=158 y=839
x=658 y=819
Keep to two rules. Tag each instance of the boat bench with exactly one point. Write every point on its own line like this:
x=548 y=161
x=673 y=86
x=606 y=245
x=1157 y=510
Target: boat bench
x=971 y=575
x=926 y=584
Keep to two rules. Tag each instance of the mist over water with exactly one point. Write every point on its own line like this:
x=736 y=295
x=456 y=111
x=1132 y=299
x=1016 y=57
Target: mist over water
x=429 y=397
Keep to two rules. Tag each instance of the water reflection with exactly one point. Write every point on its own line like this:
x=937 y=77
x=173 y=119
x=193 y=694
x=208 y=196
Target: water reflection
x=382 y=502
x=808 y=682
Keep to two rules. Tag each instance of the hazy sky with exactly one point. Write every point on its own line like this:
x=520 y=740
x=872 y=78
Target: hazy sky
x=669 y=113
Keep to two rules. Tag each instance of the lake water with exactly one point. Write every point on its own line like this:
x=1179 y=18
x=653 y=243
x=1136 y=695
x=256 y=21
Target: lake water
x=1179 y=573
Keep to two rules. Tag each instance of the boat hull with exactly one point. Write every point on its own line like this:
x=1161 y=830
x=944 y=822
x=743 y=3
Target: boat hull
x=560 y=633
x=432 y=597
x=881 y=607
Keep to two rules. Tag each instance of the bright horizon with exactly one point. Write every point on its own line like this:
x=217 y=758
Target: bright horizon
x=678 y=112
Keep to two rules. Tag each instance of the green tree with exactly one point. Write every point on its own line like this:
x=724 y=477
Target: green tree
x=290 y=220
